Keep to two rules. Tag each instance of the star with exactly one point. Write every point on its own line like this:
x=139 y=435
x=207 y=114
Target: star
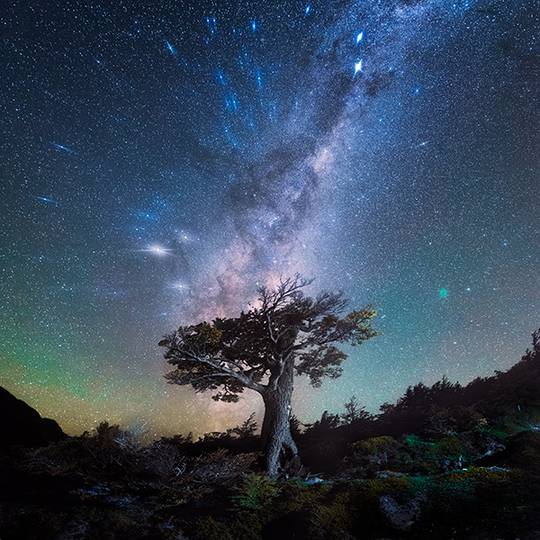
x=170 y=48
x=179 y=286
x=47 y=200
x=156 y=249
x=63 y=148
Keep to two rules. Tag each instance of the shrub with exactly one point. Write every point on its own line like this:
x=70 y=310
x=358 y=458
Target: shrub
x=221 y=466
x=163 y=459
x=255 y=492
x=375 y=452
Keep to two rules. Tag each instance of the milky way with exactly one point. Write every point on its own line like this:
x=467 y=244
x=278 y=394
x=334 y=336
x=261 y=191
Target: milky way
x=161 y=161
x=273 y=197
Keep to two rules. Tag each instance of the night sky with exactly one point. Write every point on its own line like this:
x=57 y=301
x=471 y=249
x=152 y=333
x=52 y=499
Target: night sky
x=158 y=162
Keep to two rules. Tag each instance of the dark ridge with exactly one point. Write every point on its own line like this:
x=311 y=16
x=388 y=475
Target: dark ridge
x=23 y=425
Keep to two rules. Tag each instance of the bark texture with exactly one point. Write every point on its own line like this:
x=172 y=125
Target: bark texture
x=281 y=452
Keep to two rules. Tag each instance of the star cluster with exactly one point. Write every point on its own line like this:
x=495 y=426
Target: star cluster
x=161 y=159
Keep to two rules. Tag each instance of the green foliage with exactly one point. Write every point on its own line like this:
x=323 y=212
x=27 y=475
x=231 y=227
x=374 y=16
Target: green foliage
x=362 y=319
x=333 y=519
x=466 y=493
x=415 y=442
x=375 y=445
x=370 y=490
x=204 y=336
x=296 y=495
x=433 y=456
x=450 y=447
x=412 y=455
x=375 y=453
x=496 y=431
x=421 y=484
x=255 y=492
x=231 y=354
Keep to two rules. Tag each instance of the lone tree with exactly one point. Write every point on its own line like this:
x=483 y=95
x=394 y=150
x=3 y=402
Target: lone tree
x=287 y=333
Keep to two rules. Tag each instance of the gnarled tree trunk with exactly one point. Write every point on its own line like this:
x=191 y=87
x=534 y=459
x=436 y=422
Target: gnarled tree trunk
x=280 y=449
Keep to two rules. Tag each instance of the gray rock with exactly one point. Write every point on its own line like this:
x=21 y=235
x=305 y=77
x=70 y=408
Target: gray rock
x=399 y=516
x=314 y=480
x=389 y=474
x=493 y=447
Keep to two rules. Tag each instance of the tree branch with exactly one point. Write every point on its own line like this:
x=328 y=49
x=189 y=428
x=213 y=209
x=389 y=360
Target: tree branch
x=221 y=367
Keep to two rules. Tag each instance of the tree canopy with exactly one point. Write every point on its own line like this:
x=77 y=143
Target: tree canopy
x=285 y=326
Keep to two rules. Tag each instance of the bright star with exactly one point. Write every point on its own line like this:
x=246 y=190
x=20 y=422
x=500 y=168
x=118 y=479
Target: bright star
x=231 y=103
x=220 y=77
x=258 y=77
x=158 y=250
x=170 y=47
x=47 y=200
x=63 y=148
x=147 y=216
x=211 y=22
x=357 y=66
x=179 y=286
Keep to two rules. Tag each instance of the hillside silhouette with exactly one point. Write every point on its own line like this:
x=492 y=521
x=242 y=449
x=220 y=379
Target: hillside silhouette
x=21 y=424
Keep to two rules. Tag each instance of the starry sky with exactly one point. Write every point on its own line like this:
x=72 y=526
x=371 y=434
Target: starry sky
x=160 y=159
